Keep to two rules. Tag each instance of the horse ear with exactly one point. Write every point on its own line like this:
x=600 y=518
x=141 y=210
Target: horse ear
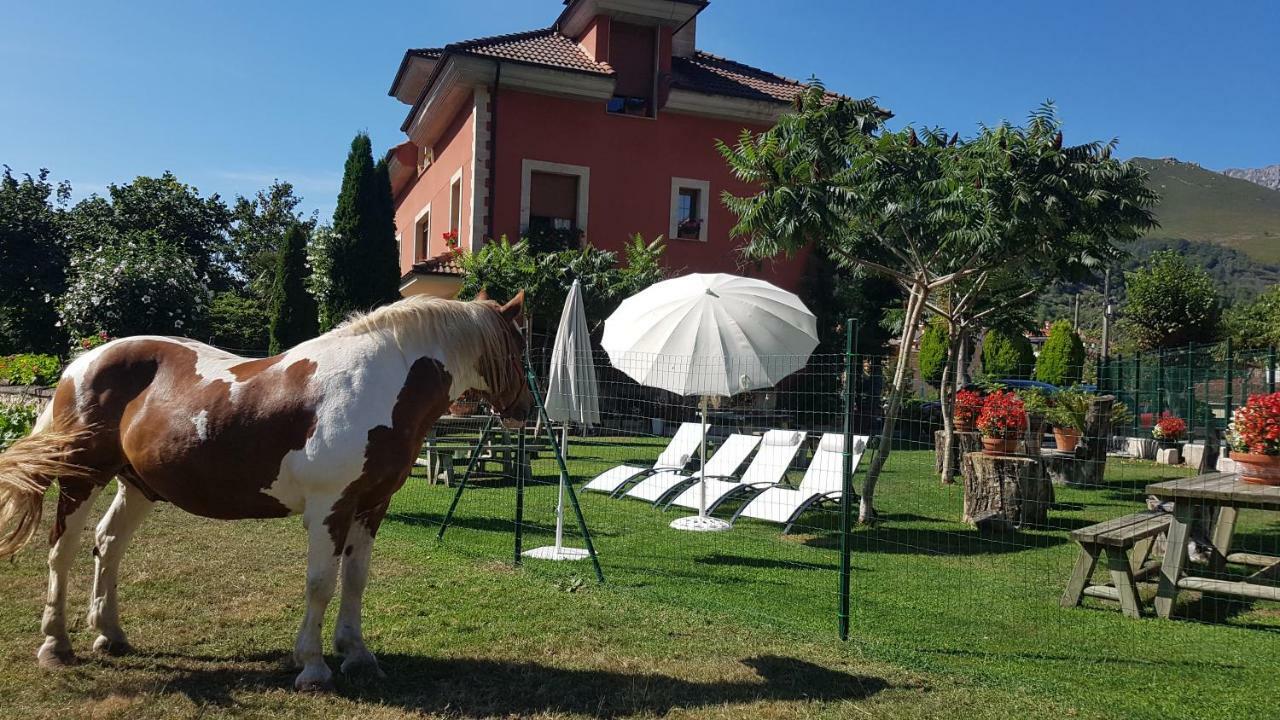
x=513 y=309
x=483 y=295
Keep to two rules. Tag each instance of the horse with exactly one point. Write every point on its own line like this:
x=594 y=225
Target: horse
x=328 y=430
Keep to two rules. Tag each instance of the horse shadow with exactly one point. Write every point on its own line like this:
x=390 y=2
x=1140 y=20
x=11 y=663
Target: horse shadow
x=481 y=688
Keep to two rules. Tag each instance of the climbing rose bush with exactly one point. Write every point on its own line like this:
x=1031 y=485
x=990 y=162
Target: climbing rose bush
x=134 y=286
x=1255 y=428
x=1003 y=414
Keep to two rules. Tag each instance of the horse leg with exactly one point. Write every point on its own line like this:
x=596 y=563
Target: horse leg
x=74 y=503
x=322 y=577
x=114 y=532
x=348 y=638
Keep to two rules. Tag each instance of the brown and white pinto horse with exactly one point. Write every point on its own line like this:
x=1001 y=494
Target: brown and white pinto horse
x=328 y=430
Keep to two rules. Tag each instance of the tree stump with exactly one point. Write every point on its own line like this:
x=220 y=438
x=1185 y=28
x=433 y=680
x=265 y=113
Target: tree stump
x=1005 y=491
x=965 y=443
x=1064 y=468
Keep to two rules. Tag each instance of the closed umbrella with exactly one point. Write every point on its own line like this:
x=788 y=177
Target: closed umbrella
x=711 y=335
x=572 y=397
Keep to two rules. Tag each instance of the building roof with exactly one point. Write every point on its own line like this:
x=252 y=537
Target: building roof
x=544 y=47
x=707 y=73
x=446 y=263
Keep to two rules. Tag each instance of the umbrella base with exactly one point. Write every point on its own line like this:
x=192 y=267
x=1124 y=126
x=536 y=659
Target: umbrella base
x=700 y=523
x=551 y=552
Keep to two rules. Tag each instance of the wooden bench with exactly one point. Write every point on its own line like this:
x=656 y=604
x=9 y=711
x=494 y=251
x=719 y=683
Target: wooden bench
x=1127 y=542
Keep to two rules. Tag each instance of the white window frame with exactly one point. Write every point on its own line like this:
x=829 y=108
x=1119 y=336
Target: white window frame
x=421 y=236
x=704 y=205
x=455 y=220
x=529 y=167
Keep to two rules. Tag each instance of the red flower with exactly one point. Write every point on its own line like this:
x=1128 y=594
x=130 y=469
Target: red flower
x=1255 y=427
x=1169 y=428
x=1003 y=415
x=968 y=405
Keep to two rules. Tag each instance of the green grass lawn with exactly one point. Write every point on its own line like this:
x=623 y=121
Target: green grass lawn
x=946 y=623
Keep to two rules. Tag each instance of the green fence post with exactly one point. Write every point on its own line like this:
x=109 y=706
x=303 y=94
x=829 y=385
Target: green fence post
x=1160 y=386
x=846 y=485
x=1271 y=369
x=1137 y=392
x=1229 y=390
x=1191 y=387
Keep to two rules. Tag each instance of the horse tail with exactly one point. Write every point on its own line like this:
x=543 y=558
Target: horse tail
x=27 y=469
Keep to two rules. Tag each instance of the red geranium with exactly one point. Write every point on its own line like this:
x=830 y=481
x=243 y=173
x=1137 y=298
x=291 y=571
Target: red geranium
x=1255 y=428
x=968 y=405
x=1003 y=415
x=1169 y=428
x=451 y=239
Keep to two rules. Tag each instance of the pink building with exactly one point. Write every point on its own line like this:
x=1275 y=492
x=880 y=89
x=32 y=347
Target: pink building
x=601 y=126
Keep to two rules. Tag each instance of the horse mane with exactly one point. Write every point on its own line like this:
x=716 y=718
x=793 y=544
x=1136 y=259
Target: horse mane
x=463 y=329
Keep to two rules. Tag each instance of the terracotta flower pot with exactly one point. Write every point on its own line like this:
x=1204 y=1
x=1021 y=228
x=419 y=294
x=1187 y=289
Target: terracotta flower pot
x=1000 y=445
x=1257 y=469
x=1066 y=438
x=966 y=423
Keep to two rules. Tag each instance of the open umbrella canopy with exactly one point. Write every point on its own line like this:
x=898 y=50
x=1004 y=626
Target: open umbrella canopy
x=710 y=334
x=572 y=393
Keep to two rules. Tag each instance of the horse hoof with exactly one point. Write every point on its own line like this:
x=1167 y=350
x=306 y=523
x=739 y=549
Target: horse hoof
x=51 y=657
x=363 y=664
x=106 y=646
x=314 y=682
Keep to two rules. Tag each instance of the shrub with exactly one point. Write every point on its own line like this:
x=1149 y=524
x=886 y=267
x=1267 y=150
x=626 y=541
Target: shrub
x=1061 y=360
x=238 y=322
x=1169 y=428
x=16 y=420
x=933 y=352
x=1170 y=303
x=134 y=285
x=1070 y=409
x=1002 y=415
x=1007 y=355
x=30 y=369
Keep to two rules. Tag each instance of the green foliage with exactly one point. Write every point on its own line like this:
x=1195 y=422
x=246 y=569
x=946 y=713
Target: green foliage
x=33 y=260
x=320 y=262
x=238 y=322
x=1061 y=360
x=363 y=268
x=137 y=284
x=293 y=310
x=933 y=351
x=30 y=369
x=836 y=295
x=1007 y=355
x=258 y=233
x=1170 y=303
x=1255 y=324
x=1070 y=409
x=16 y=420
x=166 y=209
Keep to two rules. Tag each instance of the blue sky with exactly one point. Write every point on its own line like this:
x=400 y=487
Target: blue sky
x=231 y=94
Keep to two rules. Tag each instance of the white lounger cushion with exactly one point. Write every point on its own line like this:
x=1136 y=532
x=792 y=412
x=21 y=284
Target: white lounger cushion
x=777 y=449
x=675 y=456
x=823 y=478
x=724 y=463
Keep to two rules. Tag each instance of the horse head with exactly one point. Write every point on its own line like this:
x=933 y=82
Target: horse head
x=507 y=384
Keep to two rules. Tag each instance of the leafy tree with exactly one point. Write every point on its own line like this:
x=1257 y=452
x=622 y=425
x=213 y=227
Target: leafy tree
x=320 y=263
x=1007 y=355
x=1061 y=360
x=33 y=261
x=933 y=351
x=258 y=232
x=943 y=209
x=1170 y=303
x=135 y=284
x=1255 y=324
x=239 y=322
x=293 y=310
x=363 y=270
x=164 y=208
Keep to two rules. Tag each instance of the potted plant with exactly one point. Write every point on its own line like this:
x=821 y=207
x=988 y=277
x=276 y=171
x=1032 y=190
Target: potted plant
x=1169 y=431
x=466 y=405
x=1254 y=439
x=1001 y=422
x=968 y=405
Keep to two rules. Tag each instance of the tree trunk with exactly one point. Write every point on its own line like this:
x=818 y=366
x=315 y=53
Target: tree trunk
x=947 y=397
x=915 y=306
x=1006 y=491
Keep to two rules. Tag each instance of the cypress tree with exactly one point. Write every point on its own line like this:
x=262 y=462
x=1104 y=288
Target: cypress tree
x=293 y=310
x=933 y=351
x=1007 y=355
x=363 y=272
x=1062 y=357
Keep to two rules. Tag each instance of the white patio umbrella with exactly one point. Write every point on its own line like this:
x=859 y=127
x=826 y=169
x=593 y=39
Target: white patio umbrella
x=710 y=335
x=572 y=397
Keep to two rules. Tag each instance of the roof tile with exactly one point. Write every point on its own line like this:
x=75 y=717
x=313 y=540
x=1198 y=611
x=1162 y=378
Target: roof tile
x=537 y=47
x=704 y=72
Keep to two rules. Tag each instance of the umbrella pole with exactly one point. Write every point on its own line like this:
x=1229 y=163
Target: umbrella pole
x=701 y=522
x=702 y=478
x=564 y=449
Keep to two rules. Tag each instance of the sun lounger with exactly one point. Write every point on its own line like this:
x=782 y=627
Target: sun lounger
x=822 y=482
x=723 y=463
x=676 y=456
x=777 y=449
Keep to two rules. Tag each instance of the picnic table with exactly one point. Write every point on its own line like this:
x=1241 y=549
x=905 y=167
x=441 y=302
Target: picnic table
x=453 y=438
x=1222 y=496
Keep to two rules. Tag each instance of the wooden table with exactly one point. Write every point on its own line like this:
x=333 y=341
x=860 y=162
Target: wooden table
x=1224 y=495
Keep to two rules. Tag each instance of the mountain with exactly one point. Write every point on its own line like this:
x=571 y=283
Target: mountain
x=1201 y=205
x=1268 y=177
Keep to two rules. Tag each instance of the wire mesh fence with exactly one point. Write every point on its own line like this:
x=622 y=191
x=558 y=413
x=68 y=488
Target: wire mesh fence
x=994 y=559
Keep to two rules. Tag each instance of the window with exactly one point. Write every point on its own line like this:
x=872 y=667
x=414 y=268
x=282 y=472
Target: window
x=554 y=198
x=455 y=205
x=422 y=235
x=689 y=206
